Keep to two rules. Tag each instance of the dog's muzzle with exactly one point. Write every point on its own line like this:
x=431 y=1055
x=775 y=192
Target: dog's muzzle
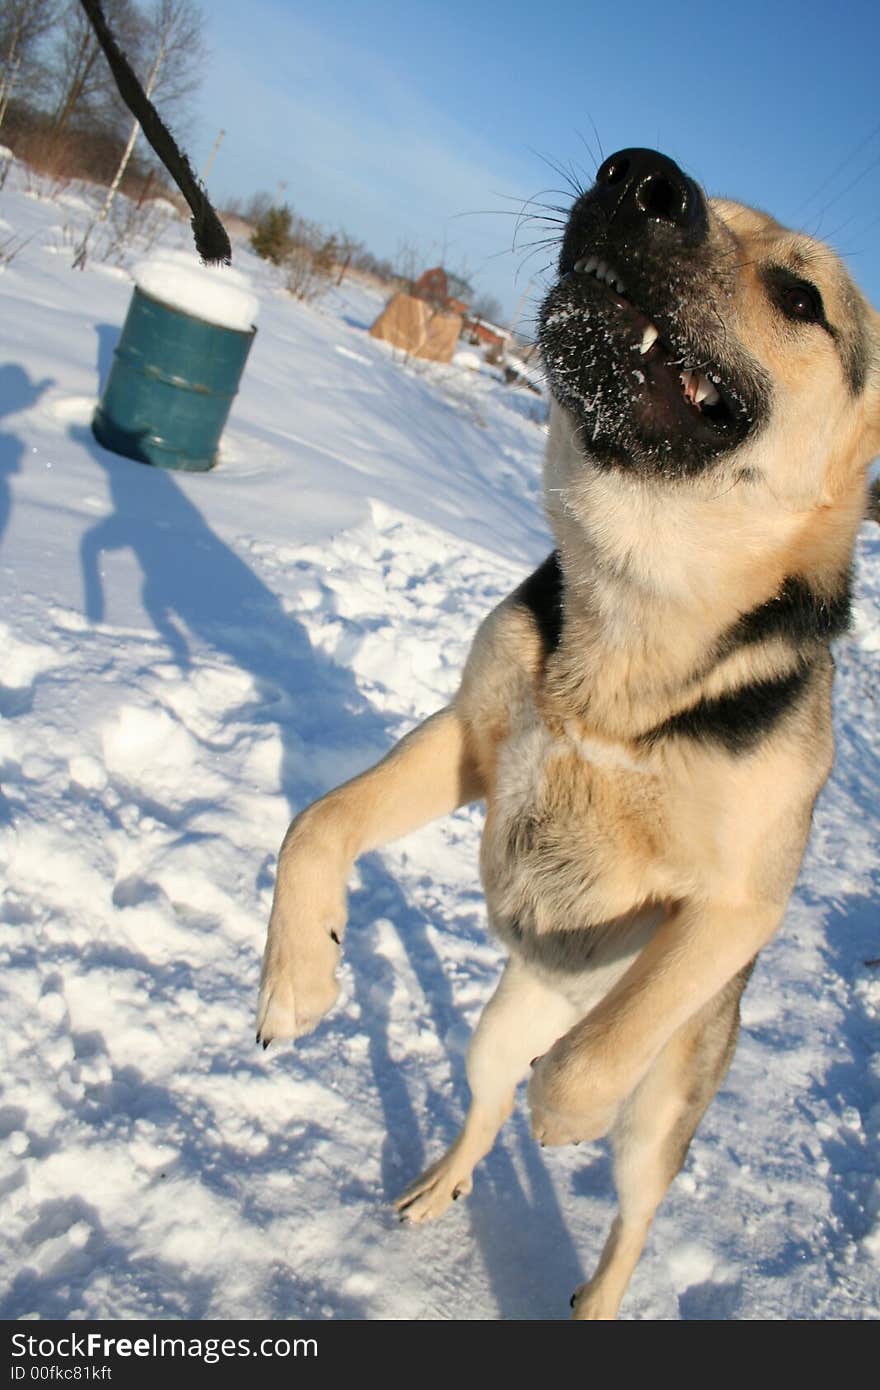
x=636 y=334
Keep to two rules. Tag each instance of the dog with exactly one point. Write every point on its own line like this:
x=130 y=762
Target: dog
x=648 y=716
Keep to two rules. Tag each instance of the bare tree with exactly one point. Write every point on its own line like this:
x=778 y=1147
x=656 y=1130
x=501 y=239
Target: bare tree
x=347 y=248
x=486 y=306
x=81 y=71
x=173 y=47
x=408 y=264
x=23 y=23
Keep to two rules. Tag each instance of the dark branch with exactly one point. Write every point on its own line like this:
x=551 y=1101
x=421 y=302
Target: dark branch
x=211 y=240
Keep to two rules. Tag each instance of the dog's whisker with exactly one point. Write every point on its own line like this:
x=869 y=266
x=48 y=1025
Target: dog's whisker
x=566 y=174
x=588 y=147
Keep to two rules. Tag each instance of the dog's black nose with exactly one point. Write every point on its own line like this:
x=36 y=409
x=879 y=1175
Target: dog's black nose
x=635 y=185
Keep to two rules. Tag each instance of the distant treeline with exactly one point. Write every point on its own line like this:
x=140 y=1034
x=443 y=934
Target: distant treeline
x=59 y=108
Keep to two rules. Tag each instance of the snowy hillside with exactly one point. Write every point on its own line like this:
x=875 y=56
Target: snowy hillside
x=186 y=659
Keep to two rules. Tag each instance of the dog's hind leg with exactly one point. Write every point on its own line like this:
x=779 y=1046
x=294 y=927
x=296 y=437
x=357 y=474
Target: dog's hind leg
x=652 y=1136
x=522 y=1019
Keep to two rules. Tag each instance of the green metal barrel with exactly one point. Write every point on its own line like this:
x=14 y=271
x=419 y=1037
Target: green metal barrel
x=171 y=386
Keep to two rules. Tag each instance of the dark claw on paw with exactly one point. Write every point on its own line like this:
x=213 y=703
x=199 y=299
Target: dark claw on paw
x=573 y=1300
x=265 y=1045
x=335 y=937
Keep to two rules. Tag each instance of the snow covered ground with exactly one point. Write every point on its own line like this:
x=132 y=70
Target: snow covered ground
x=188 y=658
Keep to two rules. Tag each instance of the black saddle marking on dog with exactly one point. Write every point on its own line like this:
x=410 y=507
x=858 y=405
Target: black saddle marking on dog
x=739 y=719
x=542 y=594
x=797 y=613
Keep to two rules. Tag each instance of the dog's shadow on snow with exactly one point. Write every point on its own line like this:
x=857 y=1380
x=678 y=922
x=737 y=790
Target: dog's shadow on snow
x=195 y=585
x=851 y=949
x=516 y=1221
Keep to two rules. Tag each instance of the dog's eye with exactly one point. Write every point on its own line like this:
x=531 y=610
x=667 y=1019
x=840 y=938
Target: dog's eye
x=799 y=300
x=802 y=302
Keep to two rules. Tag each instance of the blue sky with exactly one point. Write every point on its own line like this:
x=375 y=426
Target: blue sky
x=425 y=124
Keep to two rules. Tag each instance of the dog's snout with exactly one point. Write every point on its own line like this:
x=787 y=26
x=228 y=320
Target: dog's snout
x=638 y=185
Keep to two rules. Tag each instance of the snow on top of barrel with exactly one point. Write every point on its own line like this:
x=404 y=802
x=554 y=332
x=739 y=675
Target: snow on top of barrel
x=216 y=294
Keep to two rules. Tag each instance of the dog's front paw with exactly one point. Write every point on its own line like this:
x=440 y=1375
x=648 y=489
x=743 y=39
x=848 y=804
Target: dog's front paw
x=593 y=1303
x=299 y=985
x=296 y=992
x=567 y=1106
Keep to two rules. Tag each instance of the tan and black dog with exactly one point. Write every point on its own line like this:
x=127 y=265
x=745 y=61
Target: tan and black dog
x=648 y=717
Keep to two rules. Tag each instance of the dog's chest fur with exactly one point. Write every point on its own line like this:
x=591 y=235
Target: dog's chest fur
x=574 y=844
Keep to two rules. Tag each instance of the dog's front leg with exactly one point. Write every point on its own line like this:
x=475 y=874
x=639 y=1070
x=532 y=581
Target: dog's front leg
x=578 y=1086
x=428 y=774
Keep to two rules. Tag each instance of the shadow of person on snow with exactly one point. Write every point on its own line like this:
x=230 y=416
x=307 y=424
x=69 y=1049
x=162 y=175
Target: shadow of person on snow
x=17 y=392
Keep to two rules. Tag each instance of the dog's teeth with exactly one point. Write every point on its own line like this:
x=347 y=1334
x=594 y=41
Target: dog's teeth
x=591 y=265
x=705 y=391
x=698 y=388
x=649 y=338
x=689 y=382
